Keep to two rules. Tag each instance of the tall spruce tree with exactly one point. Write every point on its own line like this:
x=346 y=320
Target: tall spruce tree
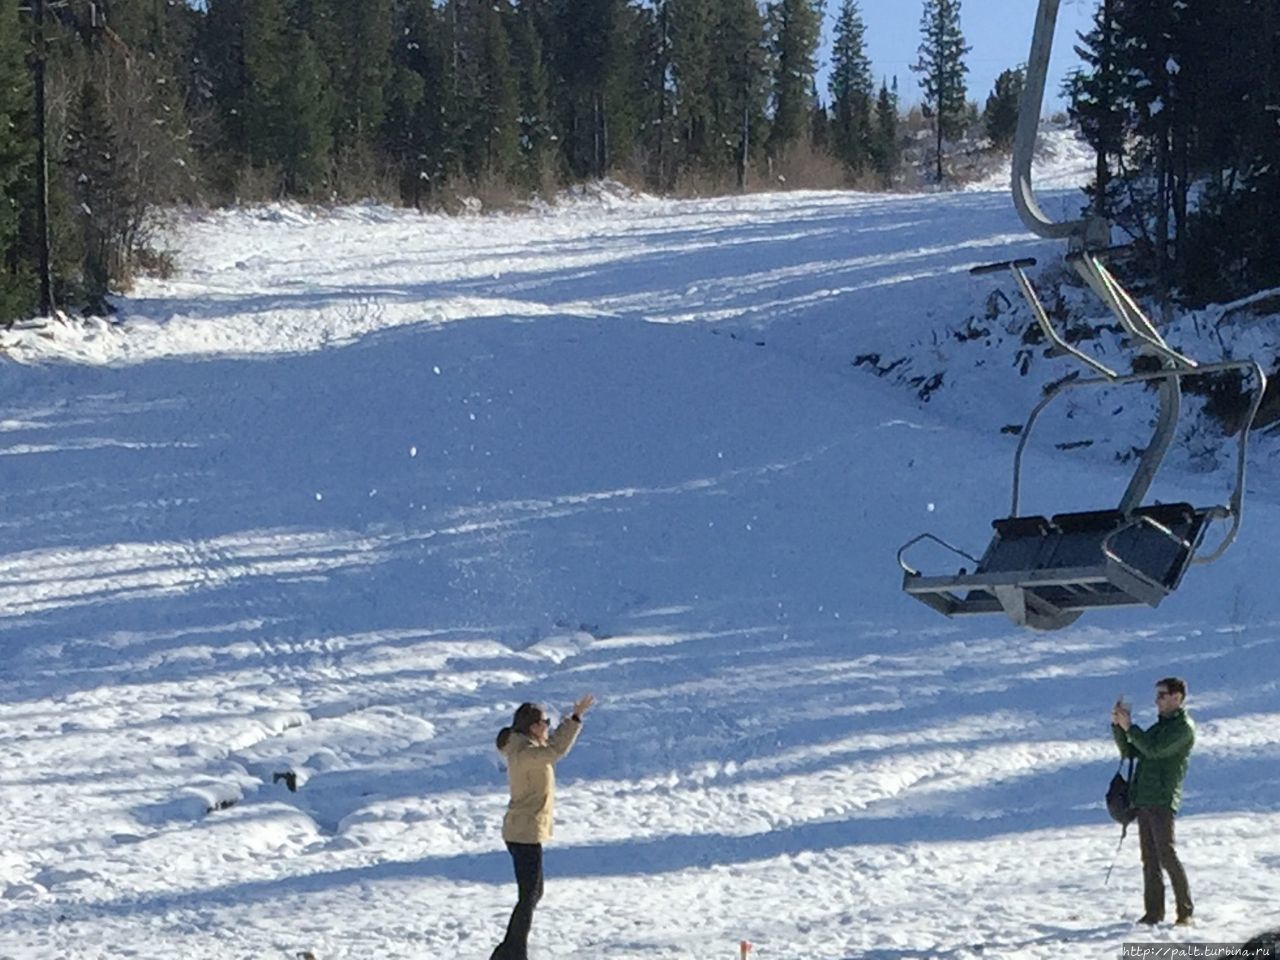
x=535 y=166
x=942 y=71
x=796 y=27
x=287 y=107
x=739 y=90
x=692 y=33
x=1001 y=113
x=17 y=171
x=590 y=48
x=661 y=122
x=354 y=43
x=405 y=93
x=1232 y=244
x=494 y=142
x=93 y=156
x=223 y=44
x=625 y=80
x=851 y=89
x=1178 y=111
x=886 y=153
x=819 y=122
x=1097 y=98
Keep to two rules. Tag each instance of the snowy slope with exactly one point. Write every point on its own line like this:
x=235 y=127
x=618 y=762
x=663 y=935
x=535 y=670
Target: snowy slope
x=354 y=484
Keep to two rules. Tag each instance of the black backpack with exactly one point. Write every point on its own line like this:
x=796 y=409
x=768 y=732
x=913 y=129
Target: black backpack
x=1122 y=812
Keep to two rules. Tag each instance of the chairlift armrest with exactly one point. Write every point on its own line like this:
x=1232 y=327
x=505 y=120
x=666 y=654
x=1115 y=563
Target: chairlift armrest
x=911 y=571
x=1110 y=553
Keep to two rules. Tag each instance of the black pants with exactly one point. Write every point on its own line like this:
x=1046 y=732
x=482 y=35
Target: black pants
x=1155 y=833
x=527 y=858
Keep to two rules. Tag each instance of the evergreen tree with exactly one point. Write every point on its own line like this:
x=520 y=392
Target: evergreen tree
x=94 y=157
x=739 y=91
x=1182 y=116
x=17 y=172
x=662 y=118
x=819 y=122
x=1001 y=114
x=494 y=143
x=535 y=165
x=942 y=70
x=886 y=153
x=795 y=31
x=354 y=43
x=692 y=30
x=303 y=143
x=1232 y=244
x=851 y=89
x=589 y=56
x=368 y=42
x=287 y=111
x=223 y=43
x=1096 y=99
x=405 y=92
x=625 y=81
x=421 y=103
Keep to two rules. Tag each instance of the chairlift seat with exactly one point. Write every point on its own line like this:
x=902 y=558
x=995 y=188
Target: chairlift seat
x=1046 y=572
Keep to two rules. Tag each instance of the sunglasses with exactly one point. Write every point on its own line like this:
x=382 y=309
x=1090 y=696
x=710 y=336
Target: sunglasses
x=540 y=720
x=1161 y=694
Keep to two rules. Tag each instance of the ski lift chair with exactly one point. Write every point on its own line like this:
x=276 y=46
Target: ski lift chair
x=1043 y=572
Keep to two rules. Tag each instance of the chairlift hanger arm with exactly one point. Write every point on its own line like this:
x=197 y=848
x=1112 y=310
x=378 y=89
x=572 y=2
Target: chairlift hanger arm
x=1136 y=323
x=1089 y=231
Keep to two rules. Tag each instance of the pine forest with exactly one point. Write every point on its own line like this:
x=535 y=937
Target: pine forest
x=114 y=108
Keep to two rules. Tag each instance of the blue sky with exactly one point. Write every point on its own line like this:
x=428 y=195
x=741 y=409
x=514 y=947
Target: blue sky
x=999 y=31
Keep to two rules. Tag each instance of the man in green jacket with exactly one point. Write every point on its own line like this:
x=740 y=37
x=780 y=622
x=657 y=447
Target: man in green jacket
x=1162 y=751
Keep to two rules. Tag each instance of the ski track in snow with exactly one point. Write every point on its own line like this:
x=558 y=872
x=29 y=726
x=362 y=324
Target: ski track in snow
x=337 y=497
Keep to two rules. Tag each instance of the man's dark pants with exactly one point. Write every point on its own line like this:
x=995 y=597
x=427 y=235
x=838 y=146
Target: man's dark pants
x=1155 y=833
x=527 y=858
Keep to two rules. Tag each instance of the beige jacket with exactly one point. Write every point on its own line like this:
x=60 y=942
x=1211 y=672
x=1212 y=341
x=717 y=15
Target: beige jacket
x=531 y=773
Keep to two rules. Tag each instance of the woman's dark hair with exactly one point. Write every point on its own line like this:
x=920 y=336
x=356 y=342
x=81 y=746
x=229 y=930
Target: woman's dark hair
x=527 y=714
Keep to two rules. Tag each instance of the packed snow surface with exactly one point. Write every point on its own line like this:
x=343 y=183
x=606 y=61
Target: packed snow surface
x=322 y=509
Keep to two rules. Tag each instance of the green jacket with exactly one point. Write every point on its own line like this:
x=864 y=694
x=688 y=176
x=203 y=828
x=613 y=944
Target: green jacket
x=1162 y=751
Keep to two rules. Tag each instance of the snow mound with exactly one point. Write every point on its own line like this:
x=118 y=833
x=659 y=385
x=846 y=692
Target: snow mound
x=1063 y=161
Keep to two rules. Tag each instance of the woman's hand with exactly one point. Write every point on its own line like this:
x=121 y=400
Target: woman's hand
x=584 y=704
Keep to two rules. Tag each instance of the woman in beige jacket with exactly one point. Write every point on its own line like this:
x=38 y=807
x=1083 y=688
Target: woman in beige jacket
x=532 y=753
